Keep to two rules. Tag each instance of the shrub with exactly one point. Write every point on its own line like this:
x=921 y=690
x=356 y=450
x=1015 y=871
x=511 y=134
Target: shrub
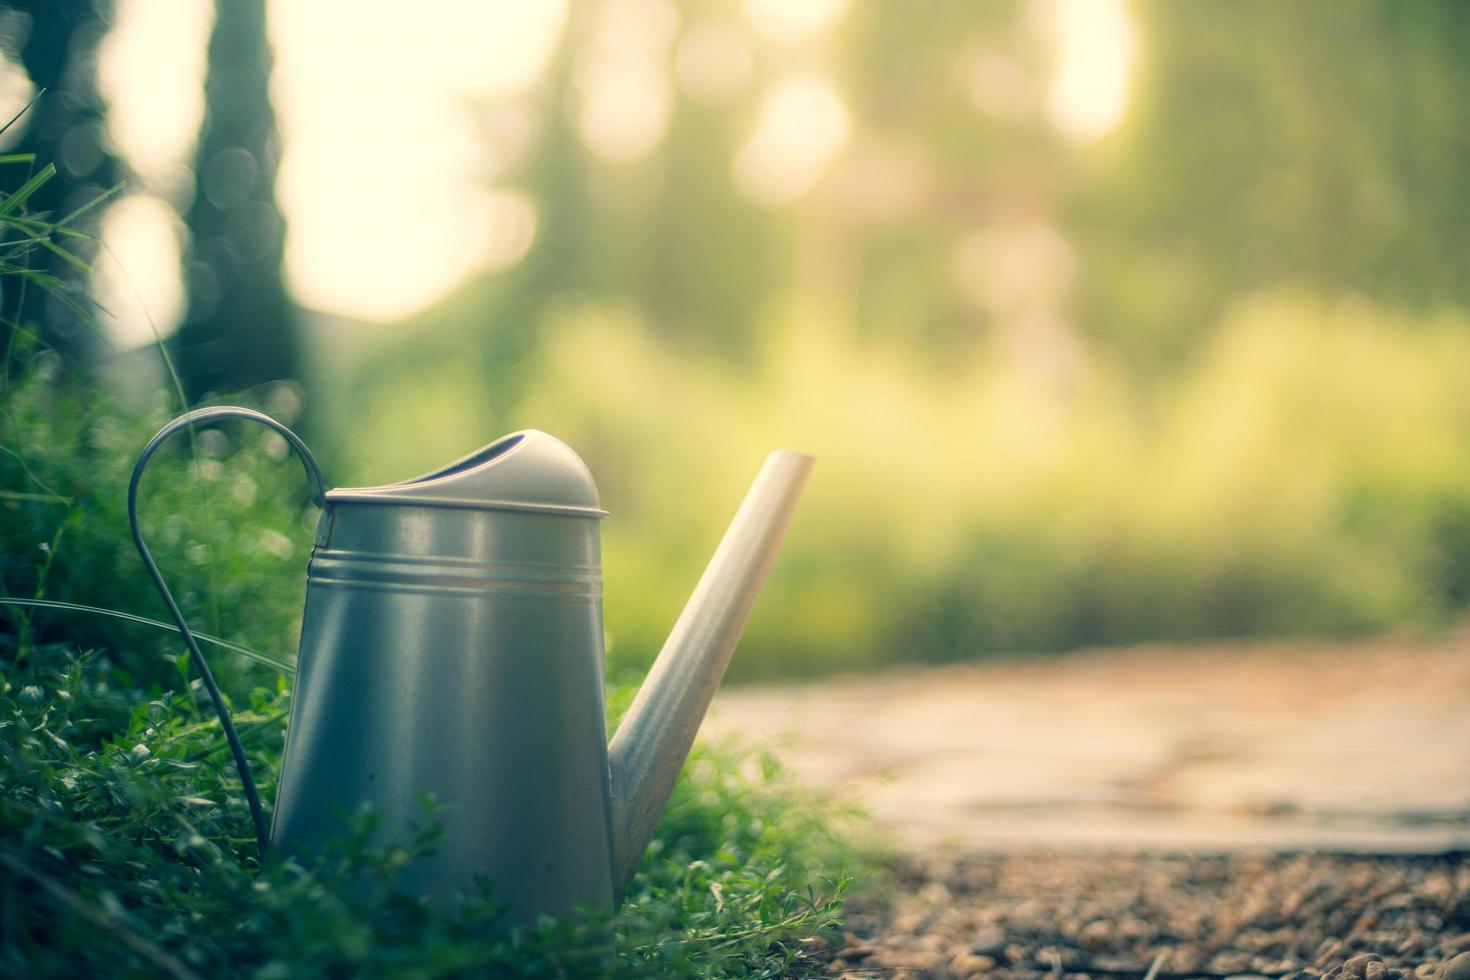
x=1306 y=474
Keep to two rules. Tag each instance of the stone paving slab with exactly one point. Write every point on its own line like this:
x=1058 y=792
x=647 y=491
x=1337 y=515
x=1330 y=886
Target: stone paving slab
x=1225 y=747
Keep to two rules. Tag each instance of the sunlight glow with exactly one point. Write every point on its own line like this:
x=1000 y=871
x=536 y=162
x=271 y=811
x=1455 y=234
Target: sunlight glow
x=150 y=68
x=803 y=124
x=713 y=64
x=137 y=274
x=381 y=106
x=1009 y=271
x=510 y=222
x=793 y=20
x=996 y=84
x=1096 y=45
x=623 y=92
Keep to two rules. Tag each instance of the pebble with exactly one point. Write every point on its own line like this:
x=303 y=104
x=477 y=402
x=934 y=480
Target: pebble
x=1065 y=957
x=911 y=922
x=1356 y=966
x=1455 y=969
x=1435 y=890
x=898 y=959
x=1096 y=935
x=934 y=893
x=971 y=965
x=1231 y=961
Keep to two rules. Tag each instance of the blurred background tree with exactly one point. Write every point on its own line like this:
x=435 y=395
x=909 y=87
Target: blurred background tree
x=239 y=327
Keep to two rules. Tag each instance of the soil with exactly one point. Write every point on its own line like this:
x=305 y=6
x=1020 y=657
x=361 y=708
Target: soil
x=1066 y=916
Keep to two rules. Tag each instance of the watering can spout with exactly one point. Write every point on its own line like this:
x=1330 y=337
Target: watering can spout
x=655 y=736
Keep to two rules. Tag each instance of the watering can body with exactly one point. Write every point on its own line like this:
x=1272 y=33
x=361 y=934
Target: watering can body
x=452 y=647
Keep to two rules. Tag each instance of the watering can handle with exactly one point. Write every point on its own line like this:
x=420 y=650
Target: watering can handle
x=318 y=489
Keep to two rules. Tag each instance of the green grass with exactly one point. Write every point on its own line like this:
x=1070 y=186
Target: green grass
x=125 y=842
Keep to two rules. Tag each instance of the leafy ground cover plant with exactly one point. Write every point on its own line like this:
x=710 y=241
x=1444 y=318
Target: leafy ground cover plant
x=126 y=851
x=125 y=843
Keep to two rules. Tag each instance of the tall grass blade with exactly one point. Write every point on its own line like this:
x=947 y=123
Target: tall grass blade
x=23 y=110
x=276 y=663
x=27 y=189
x=49 y=227
x=95 y=202
x=45 y=498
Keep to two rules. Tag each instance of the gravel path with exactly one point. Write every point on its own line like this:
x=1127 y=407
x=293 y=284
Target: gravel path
x=1232 y=810
x=1064 y=916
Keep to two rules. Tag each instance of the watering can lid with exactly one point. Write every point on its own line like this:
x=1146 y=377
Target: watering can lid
x=527 y=470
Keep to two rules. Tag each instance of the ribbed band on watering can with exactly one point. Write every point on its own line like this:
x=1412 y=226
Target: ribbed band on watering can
x=525 y=471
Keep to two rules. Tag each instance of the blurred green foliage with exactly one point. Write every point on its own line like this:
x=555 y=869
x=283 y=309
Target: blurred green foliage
x=1307 y=476
x=1301 y=145
x=229 y=530
x=1199 y=377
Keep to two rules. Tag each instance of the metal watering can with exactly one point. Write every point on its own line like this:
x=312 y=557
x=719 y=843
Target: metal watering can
x=452 y=644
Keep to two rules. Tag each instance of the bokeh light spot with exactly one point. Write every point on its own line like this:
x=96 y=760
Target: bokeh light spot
x=1096 y=44
x=713 y=64
x=150 y=68
x=382 y=178
x=136 y=277
x=511 y=220
x=624 y=98
x=229 y=177
x=803 y=124
x=793 y=20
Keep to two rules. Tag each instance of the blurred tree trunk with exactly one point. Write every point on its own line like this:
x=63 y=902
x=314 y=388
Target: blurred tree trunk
x=239 y=329
x=57 y=47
